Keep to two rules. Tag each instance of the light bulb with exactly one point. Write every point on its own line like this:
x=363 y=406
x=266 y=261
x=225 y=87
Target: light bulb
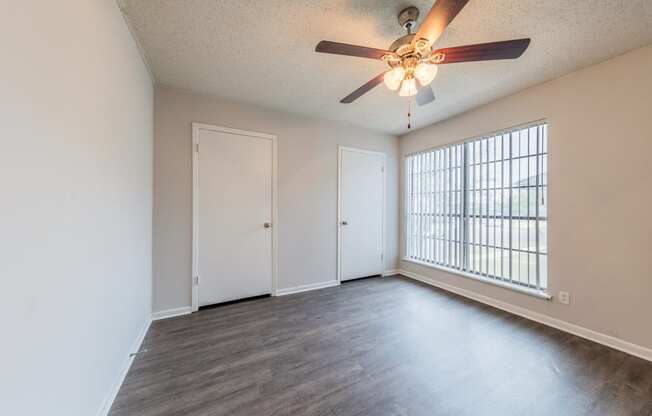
x=408 y=88
x=394 y=77
x=425 y=73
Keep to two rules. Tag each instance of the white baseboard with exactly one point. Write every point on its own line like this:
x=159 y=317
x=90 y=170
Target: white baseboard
x=110 y=397
x=391 y=272
x=169 y=313
x=600 y=338
x=305 y=288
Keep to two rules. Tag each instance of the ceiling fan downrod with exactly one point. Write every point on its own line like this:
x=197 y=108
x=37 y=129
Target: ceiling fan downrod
x=407 y=18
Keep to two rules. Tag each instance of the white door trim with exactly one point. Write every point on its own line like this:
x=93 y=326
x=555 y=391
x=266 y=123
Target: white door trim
x=196 y=128
x=339 y=202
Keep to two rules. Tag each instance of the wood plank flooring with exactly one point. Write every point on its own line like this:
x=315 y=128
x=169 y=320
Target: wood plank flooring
x=379 y=346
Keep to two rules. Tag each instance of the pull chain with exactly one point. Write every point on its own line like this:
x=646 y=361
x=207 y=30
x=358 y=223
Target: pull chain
x=409 y=114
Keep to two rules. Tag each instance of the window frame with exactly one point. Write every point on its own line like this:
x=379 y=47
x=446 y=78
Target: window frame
x=462 y=210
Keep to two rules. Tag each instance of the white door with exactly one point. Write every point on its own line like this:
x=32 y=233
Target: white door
x=233 y=209
x=361 y=193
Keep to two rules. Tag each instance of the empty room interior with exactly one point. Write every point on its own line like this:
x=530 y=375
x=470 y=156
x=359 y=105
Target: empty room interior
x=326 y=208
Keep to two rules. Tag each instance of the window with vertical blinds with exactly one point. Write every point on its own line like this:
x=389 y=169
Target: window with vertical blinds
x=479 y=207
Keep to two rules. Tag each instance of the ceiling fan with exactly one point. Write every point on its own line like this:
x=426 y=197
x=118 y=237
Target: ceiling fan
x=411 y=57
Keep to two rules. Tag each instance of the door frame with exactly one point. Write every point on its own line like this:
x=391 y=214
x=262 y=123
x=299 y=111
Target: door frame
x=341 y=149
x=196 y=129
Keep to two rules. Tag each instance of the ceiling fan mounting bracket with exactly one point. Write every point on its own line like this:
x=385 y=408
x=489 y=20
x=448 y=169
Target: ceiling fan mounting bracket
x=407 y=18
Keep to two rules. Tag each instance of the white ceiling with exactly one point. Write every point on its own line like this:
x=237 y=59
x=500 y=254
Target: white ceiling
x=262 y=52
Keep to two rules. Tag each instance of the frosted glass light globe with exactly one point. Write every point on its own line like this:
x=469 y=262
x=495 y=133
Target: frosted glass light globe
x=394 y=77
x=408 y=88
x=425 y=73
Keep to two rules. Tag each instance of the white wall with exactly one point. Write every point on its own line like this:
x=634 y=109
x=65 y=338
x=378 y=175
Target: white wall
x=307 y=204
x=600 y=228
x=76 y=204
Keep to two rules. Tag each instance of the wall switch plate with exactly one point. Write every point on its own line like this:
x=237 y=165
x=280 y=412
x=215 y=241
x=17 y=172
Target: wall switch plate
x=564 y=298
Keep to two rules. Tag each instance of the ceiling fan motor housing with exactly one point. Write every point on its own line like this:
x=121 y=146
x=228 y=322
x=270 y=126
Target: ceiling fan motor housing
x=405 y=47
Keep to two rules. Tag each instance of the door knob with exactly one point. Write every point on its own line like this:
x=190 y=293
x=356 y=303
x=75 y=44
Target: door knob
x=344 y=223
x=267 y=225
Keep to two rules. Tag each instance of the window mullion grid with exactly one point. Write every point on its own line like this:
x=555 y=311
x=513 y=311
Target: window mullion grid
x=407 y=206
x=518 y=209
x=502 y=206
x=433 y=222
x=417 y=207
x=509 y=222
x=478 y=194
x=462 y=192
x=458 y=207
x=495 y=274
x=471 y=207
x=442 y=202
x=422 y=253
x=527 y=191
x=440 y=205
x=444 y=196
x=412 y=207
x=447 y=227
x=444 y=224
x=536 y=212
x=429 y=206
x=454 y=207
x=486 y=223
x=430 y=203
x=436 y=198
x=449 y=208
x=475 y=207
x=424 y=216
x=463 y=207
x=421 y=208
x=424 y=213
x=480 y=240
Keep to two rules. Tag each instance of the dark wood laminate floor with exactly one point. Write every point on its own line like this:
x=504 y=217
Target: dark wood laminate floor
x=380 y=346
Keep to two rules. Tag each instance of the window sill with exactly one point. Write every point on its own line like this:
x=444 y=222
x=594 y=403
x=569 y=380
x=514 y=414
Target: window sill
x=527 y=291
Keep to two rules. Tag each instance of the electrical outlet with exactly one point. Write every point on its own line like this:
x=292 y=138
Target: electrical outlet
x=564 y=298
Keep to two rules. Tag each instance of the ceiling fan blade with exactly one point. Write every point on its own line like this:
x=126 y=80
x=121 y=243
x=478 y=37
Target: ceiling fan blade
x=425 y=95
x=362 y=90
x=509 y=49
x=440 y=16
x=337 y=48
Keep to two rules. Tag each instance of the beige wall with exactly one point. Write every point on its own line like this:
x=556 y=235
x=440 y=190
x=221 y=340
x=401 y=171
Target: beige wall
x=600 y=176
x=75 y=206
x=307 y=204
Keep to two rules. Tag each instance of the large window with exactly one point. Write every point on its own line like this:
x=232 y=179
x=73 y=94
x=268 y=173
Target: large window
x=479 y=207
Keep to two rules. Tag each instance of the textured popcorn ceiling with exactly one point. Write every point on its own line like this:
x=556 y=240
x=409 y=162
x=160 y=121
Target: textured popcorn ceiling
x=262 y=52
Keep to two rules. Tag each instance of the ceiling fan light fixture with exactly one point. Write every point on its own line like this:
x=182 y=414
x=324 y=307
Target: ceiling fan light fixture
x=411 y=58
x=425 y=73
x=394 y=77
x=408 y=88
